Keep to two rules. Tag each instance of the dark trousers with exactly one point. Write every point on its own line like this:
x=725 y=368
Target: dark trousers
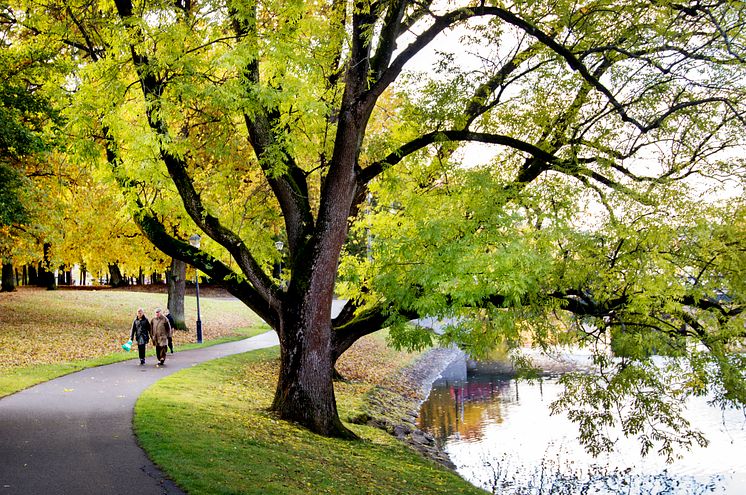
x=160 y=351
x=141 y=351
x=171 y=344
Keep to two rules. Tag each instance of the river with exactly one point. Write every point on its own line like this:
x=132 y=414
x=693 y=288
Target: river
x=499 y=433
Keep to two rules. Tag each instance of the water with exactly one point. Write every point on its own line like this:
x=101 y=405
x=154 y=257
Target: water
x=500 y=435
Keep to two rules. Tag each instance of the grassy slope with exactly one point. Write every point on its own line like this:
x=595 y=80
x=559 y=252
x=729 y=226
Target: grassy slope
x=209 y=428
x=46 y=334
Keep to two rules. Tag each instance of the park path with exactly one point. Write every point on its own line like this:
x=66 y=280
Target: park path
x=73 y=435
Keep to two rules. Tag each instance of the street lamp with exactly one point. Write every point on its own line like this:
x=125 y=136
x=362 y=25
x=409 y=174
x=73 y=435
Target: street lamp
x=369 y=242
x=194 y=241
x=279 y=245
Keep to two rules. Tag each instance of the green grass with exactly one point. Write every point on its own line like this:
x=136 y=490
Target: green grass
x=18 y=378
x=209 y=428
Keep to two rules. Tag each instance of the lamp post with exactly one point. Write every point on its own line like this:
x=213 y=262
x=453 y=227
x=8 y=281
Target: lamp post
x=369 y=241
x=194 y=241
x=279 y=245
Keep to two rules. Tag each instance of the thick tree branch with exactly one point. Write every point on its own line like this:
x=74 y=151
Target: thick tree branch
x=373 y=170
x=287 y=180
x=394 y=69
x=266 y=308
x=90 y=48
x=212 y=227
x=573 y=61
x=711 y=304
x=348 y=328
x=152 y=89
x=387 y=39
x=217 y=270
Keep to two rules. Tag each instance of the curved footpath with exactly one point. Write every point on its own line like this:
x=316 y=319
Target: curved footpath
x=73 y=435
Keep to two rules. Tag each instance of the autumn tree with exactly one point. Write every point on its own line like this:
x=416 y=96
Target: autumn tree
x=27 y=120
x=312 y=124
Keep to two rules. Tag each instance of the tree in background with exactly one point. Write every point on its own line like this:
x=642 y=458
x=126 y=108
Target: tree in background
x=272 y=122
x=27 y=119
x=176 y=290
x=55 y=211
x=12 y=212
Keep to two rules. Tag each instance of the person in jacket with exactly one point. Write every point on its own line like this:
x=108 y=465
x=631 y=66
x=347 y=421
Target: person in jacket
x=160 y=331
x=140 y=333
x=171 y=322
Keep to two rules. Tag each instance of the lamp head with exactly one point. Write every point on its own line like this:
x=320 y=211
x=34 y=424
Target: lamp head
x=194 y=240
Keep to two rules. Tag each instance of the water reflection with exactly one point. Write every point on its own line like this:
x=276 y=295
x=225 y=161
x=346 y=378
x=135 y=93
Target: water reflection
x=460 y=410
x=499 y=433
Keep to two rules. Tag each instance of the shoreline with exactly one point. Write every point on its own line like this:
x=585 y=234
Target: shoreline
x=395 y=409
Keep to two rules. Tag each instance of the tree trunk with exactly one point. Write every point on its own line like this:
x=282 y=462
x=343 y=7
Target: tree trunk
x=116 y=275
x=176 y=288
x=305 y=386
x=8 y=276
x=46 y=275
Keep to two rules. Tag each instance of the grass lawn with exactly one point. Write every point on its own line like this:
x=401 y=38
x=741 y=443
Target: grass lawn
x=46 y=334
x=209 y=428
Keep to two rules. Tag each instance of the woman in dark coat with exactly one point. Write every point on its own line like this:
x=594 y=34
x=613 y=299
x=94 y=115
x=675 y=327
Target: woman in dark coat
x=140 y=333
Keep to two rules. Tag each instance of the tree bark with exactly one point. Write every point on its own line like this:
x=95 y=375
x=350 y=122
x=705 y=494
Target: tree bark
x=116 y=279
x=8 y=276
x=305 y=386
x=176 y=289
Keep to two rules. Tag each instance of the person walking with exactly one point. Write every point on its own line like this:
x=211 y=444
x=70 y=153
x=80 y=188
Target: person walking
x=141 y=333
x=160 y=331
x=171 y=322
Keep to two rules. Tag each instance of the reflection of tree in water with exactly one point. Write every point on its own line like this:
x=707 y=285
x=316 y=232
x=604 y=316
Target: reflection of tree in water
x=463 y=408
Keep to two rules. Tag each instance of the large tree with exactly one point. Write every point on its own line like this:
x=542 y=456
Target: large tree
x=308 y=123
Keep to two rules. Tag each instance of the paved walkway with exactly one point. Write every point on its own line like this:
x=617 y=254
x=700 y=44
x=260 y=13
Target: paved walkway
x=73 y=435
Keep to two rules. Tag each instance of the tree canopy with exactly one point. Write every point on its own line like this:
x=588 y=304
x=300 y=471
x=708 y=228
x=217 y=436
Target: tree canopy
x=540 y=173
